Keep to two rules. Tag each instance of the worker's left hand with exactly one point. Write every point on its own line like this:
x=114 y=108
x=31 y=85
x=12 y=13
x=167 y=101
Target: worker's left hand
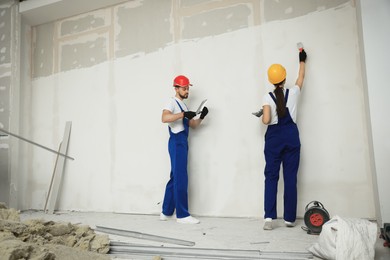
x=205 y=111
x=302 y=56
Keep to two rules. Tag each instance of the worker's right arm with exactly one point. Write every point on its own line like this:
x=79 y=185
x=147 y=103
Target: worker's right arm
x=301 y=73
x=168 y=117
x=266 y=118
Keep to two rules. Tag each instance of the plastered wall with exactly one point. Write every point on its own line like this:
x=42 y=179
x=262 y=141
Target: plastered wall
x=110 y=72
x=373 y=20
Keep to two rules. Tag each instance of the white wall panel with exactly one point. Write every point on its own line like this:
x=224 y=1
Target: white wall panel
x=120 y=144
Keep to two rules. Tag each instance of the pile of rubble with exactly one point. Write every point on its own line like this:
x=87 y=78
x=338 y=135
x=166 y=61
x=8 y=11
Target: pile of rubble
x=48 y=240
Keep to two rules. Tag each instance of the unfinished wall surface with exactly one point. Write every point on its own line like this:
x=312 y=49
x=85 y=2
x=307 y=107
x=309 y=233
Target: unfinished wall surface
x=5 y=79
x=9 y=97
x=110 y=72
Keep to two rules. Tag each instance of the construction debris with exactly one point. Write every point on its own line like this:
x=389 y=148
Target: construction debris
x=47 y=240
x=10 y=214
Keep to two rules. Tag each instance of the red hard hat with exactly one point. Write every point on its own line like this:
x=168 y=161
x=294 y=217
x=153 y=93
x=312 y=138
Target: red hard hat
x=181 y=81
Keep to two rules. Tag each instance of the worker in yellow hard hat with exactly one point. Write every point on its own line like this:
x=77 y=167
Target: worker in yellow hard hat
x=282 y=144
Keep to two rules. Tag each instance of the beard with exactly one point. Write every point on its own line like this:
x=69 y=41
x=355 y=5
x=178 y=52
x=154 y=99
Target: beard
x=185 y=96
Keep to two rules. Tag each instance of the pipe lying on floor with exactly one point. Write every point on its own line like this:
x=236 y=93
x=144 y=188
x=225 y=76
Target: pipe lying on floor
x=140 y=235
x=120 y=248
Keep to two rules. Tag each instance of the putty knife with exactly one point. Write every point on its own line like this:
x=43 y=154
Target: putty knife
x=258 y=113
x=300 y=46
x=200 y=108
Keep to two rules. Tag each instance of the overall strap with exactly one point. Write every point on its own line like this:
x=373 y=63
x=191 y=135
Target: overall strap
x=185 y=120
x=285 y=97
x=272 y=96
x=182 y=110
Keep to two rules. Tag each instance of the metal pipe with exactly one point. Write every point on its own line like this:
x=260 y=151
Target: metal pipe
x=31 y=142
x=182 y=255
x=168 y=253
x=205 y=253
x=51 y=181
x=139 y=235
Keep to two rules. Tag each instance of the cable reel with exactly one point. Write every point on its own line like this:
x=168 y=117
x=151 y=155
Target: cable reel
x=385 y=234
x=315 y=217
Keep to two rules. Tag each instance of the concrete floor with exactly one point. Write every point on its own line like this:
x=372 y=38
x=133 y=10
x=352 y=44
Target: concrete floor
x=226 y=234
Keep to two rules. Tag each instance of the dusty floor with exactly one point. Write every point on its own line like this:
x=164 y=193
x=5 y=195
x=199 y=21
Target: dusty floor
x=226 y=234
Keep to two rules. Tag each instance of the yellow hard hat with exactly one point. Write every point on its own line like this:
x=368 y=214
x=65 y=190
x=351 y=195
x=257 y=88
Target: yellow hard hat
x=276 y=73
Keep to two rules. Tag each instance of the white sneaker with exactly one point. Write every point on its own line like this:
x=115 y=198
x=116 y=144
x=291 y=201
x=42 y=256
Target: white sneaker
x=188 y=220
x=289 y=224
x=267 y=224
x=164 y=217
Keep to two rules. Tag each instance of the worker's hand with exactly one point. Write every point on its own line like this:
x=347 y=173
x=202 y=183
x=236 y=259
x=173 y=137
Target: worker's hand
x=189 y=114
x=204 y=113
x=302 y=56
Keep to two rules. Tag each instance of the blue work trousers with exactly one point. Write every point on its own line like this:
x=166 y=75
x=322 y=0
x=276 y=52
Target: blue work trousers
x=176 y=192
x=282 y=146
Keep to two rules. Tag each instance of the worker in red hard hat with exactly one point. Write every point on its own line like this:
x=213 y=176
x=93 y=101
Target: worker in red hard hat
x=282 y=143
x=179 y=119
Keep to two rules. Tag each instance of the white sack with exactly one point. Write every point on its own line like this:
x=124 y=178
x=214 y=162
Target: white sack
x=346 y=238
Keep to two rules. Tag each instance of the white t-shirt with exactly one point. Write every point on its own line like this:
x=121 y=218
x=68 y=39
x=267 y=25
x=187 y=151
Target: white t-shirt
x=176 y=126
x=292 y=103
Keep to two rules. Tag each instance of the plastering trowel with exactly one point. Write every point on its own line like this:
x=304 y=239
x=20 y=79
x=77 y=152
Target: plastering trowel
x=300 y=46
x=201 y=106
x=258 y=113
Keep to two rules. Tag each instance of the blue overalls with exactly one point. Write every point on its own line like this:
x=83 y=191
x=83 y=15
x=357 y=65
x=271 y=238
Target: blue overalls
x=282 y=145
x=176 y=190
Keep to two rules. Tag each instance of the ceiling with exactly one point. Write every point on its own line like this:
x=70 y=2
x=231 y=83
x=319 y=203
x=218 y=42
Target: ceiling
x=35 y=12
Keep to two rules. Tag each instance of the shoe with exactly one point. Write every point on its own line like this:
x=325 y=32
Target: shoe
x=164 y=217
x=289 y=224
x=267 y=224
x=188 y=220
